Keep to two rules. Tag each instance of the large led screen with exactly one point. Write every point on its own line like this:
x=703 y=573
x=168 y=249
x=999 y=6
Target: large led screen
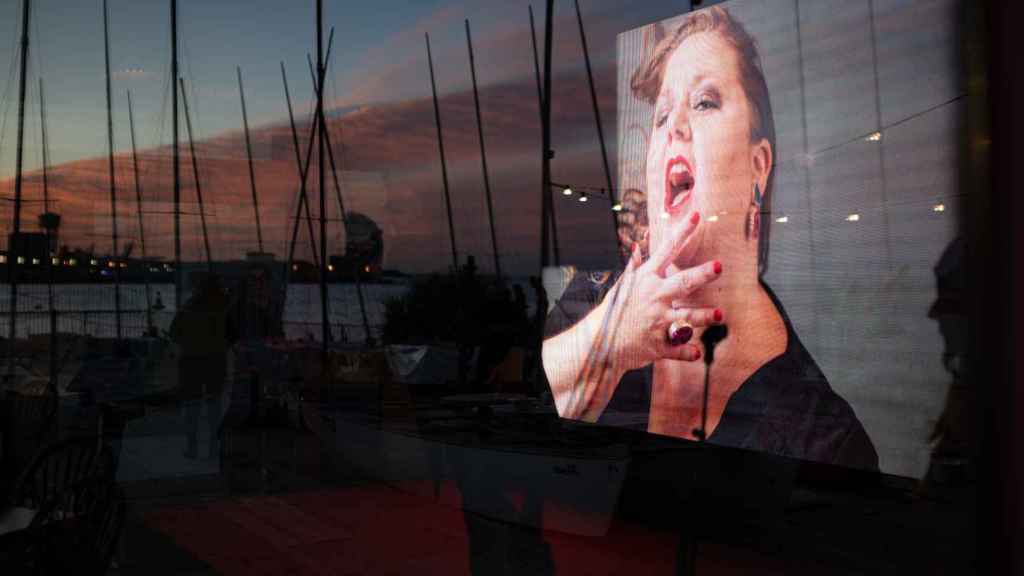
x=788 y=185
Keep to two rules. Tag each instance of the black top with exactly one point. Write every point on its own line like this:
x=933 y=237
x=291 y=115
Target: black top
x=786 y=407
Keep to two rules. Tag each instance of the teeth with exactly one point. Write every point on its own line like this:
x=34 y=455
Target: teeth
x=677 y=169
x=680 y=179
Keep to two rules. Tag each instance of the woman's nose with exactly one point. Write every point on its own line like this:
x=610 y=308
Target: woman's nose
x=680 y=127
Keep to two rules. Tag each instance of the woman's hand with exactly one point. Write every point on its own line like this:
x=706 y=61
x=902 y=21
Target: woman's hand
x=629 y=328
x=644 y=305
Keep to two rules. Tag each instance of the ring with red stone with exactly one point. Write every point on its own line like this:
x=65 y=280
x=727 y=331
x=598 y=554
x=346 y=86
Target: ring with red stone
x=679 y=335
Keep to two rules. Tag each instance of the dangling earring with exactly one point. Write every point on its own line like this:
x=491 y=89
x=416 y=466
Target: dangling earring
x=754 y=214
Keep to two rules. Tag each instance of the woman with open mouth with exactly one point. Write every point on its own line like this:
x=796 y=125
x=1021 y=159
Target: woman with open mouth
x=700 y=264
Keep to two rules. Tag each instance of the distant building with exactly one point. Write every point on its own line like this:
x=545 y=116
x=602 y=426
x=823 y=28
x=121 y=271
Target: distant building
x=32 y=247
x=364 y=248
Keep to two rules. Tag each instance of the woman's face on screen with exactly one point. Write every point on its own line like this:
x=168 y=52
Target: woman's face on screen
x=699 y=156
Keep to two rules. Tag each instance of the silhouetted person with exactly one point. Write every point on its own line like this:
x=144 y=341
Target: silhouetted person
x=255 y=313
x=467 y=312
x=508 y=539
x=952 y=436
x=497 y=332
x=536 y=335
x=200 y=329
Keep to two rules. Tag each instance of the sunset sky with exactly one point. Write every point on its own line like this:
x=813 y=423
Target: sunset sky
x=378 y=82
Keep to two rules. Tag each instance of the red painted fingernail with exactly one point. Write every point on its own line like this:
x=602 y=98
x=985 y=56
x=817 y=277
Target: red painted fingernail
x=718 y=315
x=695 y=218
x=697 y=355
x=718 y=267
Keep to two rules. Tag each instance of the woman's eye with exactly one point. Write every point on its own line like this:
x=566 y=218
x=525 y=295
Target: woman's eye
x=661 y=119
x=705 y=103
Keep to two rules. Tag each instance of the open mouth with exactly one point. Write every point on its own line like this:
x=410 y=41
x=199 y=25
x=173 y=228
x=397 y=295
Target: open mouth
x=679 y=184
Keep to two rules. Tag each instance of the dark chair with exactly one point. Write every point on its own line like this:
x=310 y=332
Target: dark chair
x=28 y=424
x=77 y=533
x=60 y=466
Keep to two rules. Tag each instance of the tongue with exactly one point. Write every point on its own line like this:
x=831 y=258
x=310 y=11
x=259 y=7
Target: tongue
x=680 y=180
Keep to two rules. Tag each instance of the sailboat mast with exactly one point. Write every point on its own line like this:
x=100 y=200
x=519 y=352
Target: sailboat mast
x=344 y=223
x=176 y=156
x=303 y=175
x=14 y=247
x=110 y=165
x=344 y=217
x=324 y=314
x=252 y=171
x=46 y=152
x=49 y=221
x=600 y=129
x=551 y=222
x=444 y=165
x=545 y=118
x=195 y=175
x=483 y=155
x=138 y=204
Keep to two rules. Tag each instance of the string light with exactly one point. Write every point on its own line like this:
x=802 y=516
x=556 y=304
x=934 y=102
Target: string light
x=583 y=197
x=567 y=191
x=782 y=219
x=939 y=208
x=617 y=207
x=853 y=218
x=874 y=137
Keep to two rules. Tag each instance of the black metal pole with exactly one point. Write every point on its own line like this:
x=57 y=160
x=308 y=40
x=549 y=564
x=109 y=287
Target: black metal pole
x=549 y=223
x=324 y=303
x=113 y=183
x=49 y=225
x=13 y=247
x=313 y=138
x=138 y=205
x=600 y=129
x=176 y=154
x=195 y=175
x=344 y=216
x=546 y=130
x=344 y=221
x=303 y=175
x=46 y=152
x=303 y=168
x=252 y=170
x=444 y=165
x=483 y=155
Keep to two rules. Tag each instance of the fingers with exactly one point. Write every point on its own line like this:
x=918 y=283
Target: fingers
x=699 y=317
x=673 y=243
x=685 y=353
x=636 y=259
x=685 y=282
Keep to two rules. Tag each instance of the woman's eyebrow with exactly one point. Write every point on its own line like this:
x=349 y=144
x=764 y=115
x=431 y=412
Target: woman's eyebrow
x=698 y=79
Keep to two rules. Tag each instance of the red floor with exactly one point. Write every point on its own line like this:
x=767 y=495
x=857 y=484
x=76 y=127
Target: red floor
x=382 y=530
